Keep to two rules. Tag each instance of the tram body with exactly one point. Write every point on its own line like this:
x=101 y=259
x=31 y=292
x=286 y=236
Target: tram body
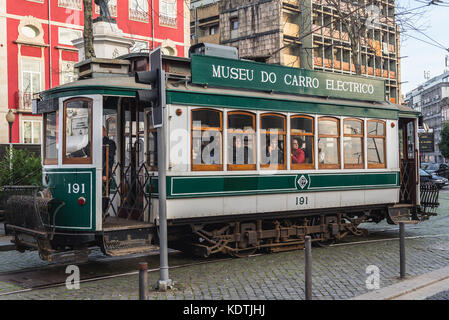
x=360 y=165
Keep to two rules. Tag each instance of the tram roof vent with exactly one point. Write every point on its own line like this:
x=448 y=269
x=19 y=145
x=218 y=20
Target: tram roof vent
x=210 y=49
x=102 y=67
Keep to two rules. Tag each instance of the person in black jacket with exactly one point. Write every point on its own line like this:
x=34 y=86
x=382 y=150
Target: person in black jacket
x=109 y=149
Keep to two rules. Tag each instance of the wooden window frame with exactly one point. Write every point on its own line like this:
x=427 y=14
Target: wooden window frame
x=206 y=167
x=49 y=161
x=361 y=136
x=384 y=137
x=284 y=133
x=233 y=167
x=330 y=166
x=66 y=160
x=299 y=166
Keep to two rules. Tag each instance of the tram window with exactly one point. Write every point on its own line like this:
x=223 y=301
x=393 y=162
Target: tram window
x=241 y=141
x=51 y=138
x=152 y=145
x=272 y=139
x=376 y=144
x=77 y=146
x=328 y=143
x=301 y=139
x=207 y=128
x=353 y=143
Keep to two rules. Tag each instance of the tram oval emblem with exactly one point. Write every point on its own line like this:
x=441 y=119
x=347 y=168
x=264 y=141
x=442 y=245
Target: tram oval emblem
x=302 y=181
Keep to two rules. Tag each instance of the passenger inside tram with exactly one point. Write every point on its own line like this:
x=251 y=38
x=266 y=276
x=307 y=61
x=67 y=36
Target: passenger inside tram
x=298 y=154
x=240 y=153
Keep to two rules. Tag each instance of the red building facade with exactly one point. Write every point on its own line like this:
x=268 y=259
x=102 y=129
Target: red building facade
x=36 y=52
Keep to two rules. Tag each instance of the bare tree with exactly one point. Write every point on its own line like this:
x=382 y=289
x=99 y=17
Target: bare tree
x=88 y=36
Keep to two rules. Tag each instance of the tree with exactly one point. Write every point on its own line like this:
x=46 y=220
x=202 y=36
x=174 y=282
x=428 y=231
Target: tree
x=88 y=36
x=20 y=168
x=444 y=143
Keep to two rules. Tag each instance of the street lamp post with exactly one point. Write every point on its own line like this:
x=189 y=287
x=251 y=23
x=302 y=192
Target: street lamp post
x=10 y=118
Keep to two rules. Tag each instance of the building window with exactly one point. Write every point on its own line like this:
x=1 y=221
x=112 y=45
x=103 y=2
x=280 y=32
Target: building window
x=213 y=30
x=376 y=144
x=138 y=10
x=31 y=131
x=241 y=141
x=67 y=72
x=31 y=82
x=167 y=12
x=51 y=137
x=302 y=145
x=234 y=24
x=66 y=35
x=77 y=147
x=272 y=140
x=353 y=143
x=207 y=129
x=328 y=143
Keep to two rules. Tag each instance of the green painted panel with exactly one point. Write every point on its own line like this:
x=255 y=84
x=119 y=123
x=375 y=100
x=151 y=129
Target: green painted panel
x=68 y=185
x=269 y=77
x=210 y=186
x=258 y=103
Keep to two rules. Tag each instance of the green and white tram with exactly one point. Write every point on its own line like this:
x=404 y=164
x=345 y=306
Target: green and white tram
x=257 y=157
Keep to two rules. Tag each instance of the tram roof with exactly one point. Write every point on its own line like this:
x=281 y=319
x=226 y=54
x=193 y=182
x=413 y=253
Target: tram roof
x=180 y=92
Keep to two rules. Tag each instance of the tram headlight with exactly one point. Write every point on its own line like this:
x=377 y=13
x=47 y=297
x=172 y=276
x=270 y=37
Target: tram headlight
x=81 y=201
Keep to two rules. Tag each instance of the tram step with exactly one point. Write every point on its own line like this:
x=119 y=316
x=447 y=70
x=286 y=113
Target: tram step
x=131 y=250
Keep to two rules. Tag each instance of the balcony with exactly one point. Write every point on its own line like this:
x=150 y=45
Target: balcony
x=294 y=3
x=291 y=29
x=327 y=63
x=345 y=66
x=25 y=101
x=213 y=38
x=337 y=64
x=138 y=15
x=318 y=61
x=371 y=71
x=385 y=73
x=168 y=21
x=71 y=4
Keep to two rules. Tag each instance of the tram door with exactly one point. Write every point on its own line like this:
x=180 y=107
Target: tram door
x=131 y=162
x=408 y=155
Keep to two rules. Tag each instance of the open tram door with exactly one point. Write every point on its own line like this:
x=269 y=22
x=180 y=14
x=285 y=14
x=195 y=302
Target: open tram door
x=407 y=209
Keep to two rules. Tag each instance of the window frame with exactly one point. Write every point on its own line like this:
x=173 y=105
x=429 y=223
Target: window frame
x=206 y=167
x=299 y=166
x=150 y=129
x=49 y=161
x=384 y=137
x=354 y=166
x=66 y=160
x=234 y=167
x=32 y=121
x=270 y=166
x=337 y=120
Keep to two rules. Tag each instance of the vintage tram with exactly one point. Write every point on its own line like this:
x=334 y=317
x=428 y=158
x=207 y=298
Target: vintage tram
x=257 y=157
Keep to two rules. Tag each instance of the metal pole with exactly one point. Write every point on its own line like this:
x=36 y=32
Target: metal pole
x=402 y=249
x=10 y=154
x=164 y=282
x=308 y=267
x=143 y=280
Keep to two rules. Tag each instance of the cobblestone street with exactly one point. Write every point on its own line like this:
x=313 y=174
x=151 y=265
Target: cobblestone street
x=339 y=270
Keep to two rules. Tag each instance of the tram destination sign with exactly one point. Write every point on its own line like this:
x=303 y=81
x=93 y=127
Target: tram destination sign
x=223 y=72
x=426 y=142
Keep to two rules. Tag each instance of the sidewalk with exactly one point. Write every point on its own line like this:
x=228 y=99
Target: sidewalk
x=416 y=288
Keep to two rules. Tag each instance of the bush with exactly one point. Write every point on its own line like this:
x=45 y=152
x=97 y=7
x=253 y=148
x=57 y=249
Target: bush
x=25 y=168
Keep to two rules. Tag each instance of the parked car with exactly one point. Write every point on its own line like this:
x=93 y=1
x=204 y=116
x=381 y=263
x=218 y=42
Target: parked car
x=434 y=167
x=425 y=176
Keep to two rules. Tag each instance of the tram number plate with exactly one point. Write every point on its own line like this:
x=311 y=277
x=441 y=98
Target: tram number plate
x=300 y=201
x=76 y=188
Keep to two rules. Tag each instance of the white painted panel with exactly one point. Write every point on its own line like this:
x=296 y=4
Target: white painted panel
x=240 y=205
x=381 y=196
x=178 y=148
x=271 y=202
x=392 y=146
x=194 y=208
x=352 y=198
x=327 y=199
x=299 y=201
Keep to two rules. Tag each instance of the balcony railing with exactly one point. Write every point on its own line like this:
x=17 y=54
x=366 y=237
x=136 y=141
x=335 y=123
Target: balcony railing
x=138 y=15
x=167 y=21
x=71 y=4
x=25 y=101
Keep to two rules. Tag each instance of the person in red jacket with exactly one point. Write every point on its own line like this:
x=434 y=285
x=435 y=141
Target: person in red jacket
x=298 y=155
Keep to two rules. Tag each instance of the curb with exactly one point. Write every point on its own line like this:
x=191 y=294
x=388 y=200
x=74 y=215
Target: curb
x=415 y=288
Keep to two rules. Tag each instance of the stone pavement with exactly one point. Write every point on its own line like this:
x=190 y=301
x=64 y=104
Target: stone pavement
x=339 y=271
